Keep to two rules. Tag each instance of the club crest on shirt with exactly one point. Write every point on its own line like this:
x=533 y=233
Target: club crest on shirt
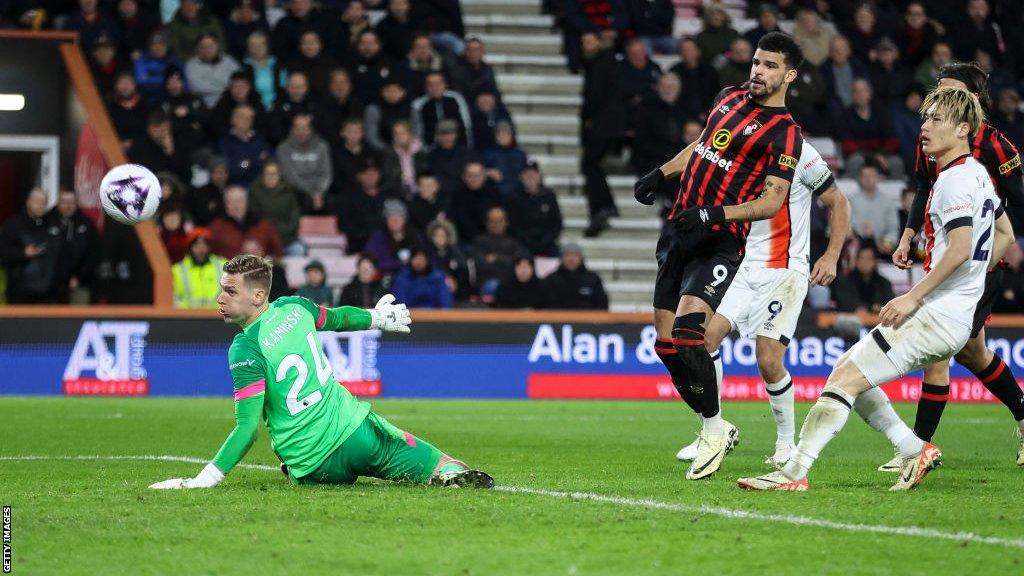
x=751 y=128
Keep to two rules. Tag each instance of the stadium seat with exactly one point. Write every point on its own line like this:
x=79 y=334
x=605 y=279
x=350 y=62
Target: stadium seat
x=544 y=265
x=339 y=268
x=321 y=232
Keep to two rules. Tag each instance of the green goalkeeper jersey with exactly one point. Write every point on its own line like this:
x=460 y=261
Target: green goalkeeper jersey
x=280 y=371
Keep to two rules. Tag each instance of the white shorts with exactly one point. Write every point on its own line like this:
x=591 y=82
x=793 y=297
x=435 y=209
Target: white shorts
x=765 y=302
x=928 y=336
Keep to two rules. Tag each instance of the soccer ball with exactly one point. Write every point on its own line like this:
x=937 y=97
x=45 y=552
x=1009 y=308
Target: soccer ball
x=130 y=193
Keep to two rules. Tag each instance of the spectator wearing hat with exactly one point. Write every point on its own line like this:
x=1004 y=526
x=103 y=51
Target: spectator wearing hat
x=504 y=161
x=274 y=200
x=391 y=245
x=403 y=160
x=351 y=156
x=471 y=76
x=486 y=113
x=190 y=24
x=244 y=20
x=448 y=258
x=134 y=27
x=187 y=112
x=207 y=202
x=159 y=150
x=890 y=79
x=316 y=289
x=522 y=289
x=535 y=215
x=471 y=202
x=267 y=75
x=209 y=71
x=338 y=105
x=437 y=104
x=242 y=147
x=381 y=115
x=91 y=24
x=150 y=67
x=447 y=158
x=365 y=288
x=420 y=285
x=359 y=212
x=396 y=30
x=104 y=64
x=306 y=159
x=240 y=91
x=493 y=252
x=573 y=286
x=239 y=224
x=197 y=275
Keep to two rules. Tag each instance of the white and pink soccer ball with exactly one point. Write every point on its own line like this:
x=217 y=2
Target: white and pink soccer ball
x=130 y=193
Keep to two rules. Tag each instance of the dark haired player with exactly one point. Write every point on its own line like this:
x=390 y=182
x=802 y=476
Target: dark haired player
x=738 y=171
x=321 y=433
x=1002 y=162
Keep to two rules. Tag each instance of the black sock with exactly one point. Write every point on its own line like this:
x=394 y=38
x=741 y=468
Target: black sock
x=929 y=410
x=674 y=364
x=688 y=339
x=999 y=380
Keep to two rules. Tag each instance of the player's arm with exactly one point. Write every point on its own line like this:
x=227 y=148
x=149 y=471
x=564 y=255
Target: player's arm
x=646 y=188
x=959 y=231
x=824 y=270
x=1008 y=178
x=386 y=316
x=1003 y=239
x=248 y=371
x=921 y=182
x=765 y=206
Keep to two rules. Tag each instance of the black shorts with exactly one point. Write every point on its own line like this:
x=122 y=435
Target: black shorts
x=697 y=264
x=993 y=280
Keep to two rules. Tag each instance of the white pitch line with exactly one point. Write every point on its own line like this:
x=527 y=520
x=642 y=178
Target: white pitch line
x=790 y=519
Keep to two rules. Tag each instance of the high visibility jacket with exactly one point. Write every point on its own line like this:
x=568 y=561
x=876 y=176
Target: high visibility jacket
x=197 y=285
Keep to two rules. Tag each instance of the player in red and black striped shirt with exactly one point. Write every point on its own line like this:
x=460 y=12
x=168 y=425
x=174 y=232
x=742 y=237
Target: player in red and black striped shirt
x=1002 y=162
x=739 y=170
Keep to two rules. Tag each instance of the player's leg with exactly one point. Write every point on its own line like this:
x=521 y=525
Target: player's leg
x=778 y=383
x=718 y=328
x=934 y=394
x=993 y=372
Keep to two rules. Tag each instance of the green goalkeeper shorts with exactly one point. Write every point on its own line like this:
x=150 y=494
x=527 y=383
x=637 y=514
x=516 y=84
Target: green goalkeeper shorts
x=380 y=450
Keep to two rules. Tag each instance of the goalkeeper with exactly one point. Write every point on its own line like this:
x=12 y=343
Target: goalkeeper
x=321 y=433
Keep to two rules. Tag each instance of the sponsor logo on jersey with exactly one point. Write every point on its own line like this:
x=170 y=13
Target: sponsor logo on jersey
x=724 y=108
x=751 y=128
x=721 y=139
x=108 y=359
x=712 y=155
x=242 y=364
x=1006 y=167
x=965 y=207
x=787 y=161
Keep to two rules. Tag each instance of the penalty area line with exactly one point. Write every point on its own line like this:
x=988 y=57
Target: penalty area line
x=730 y=513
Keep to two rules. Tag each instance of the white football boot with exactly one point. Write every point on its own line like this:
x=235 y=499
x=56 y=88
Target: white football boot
x=892 y=465
x=781 y=456
x=773 y=481
x=711 y=450
x=688 y=452
x=915 y=468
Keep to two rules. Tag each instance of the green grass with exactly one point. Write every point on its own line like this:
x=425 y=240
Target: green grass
x=98 y=517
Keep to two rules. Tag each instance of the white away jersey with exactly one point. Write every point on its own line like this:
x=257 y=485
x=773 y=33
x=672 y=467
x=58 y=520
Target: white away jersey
x=784 y=241
x=962 y=195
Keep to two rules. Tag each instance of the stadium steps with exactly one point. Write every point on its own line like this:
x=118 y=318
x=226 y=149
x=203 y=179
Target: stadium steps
x=477 y=24
x=566 y=85
x=554 y=144
x=557 y=104
x=500 y=7
x=546 y=125
x=527 y=63
x=546 y=43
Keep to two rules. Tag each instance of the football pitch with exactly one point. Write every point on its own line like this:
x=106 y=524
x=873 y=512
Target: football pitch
x=582 y=488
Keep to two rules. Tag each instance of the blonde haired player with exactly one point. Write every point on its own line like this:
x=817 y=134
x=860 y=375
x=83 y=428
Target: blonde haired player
x=967 y=230
x=765 y=298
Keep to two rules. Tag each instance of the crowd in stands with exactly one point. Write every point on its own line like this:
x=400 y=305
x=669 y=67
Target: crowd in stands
x=255 y=114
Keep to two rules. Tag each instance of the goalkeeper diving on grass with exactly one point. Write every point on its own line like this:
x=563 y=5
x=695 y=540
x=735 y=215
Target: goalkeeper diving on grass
x=320 y=432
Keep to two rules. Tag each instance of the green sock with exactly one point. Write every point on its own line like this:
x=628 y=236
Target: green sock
x=450 y=468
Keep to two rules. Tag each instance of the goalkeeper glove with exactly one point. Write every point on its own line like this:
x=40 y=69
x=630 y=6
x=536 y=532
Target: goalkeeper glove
x=700 y=217
x=207 y=478
x=646 y=188
x=390 y=317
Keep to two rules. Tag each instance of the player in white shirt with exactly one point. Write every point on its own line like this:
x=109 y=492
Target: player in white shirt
x=967 y=231
x=768 y=292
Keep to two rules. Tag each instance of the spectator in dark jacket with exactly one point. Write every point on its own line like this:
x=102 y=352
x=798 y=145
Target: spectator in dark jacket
x=295 y=100
x=392 y=106
x=659 y=129
x=505 y=160
x=349 y=157
x=916 y=35
x=427 y=204
x=699 y=79
x=866 y=133
x=637 y=74
x=391 y=245
x=448 y=258
x=447 y=158
x=438 y=104
x=536 y=218
x=134 y=27
x=359 y=213
x=275 y=200
x=301 y=16
x=605 y=19
x=978 y=31
x=651 y=21
x=245 y=20
x=471 y=202
x=493 y=252
x=159 y=151
x=396 y=30
x=366 y=288
x=91 y=23
x=735 y=70
x=602 y=124
x=839 y=71
x=189 y=24
x=316 y=289
x=104 y=64
x=890 y=79
x=1011 y=297
x=574 y=287
x=150 y=67
x=243 y=148
x=472 y=76
x=716 y=33
x=312 y=61
x=421 y=60
x=127 y=109
x=1007 y=116
x=863 y=288
x=240 y=91
x=420 y=285
x=187 y=112
x=864 y=32
x=486 y=113
x=767 y=21
x=442 y=19
x=79 y=250
x=369 y=66
x=403 y=160
x=207 y=202
x=906 y=122
x=339 y=105
x=30 y=251
x=521 y=290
